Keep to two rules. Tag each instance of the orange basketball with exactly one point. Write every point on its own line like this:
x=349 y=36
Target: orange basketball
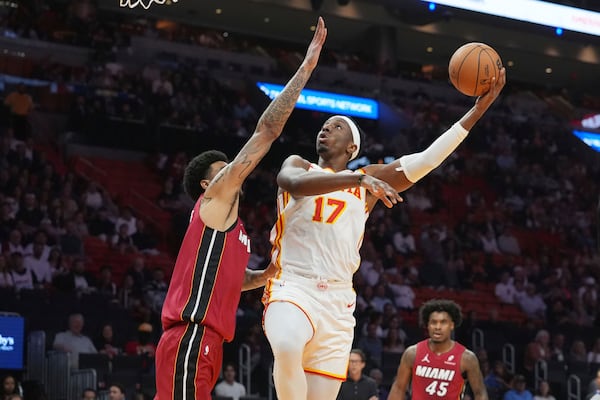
x=472 y=67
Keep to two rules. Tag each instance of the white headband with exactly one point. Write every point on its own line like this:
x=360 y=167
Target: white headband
x=355 y=134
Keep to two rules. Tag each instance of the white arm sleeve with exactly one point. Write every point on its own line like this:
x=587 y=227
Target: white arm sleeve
x=416 y=166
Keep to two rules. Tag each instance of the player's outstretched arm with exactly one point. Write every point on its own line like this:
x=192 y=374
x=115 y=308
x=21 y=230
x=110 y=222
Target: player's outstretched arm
x=270 y=124
x=403 y=377
x=255 y=279
x=470 y=364
x=408 y=169
x=296 y=179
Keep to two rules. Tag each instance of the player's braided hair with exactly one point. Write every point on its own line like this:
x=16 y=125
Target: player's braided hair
x=440 y=305
x=198 y=169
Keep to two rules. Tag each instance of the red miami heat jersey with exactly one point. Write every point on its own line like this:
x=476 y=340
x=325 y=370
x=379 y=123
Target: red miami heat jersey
x=207 y=280
x=437 y=376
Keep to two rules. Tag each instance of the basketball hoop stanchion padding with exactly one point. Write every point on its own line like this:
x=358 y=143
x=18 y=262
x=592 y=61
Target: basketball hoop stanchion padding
x=144 y=3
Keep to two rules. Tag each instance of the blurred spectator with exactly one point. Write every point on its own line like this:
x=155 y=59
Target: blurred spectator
x=578 y=352
x=593 y=355
x=155 y=290
x=544 y=392
x=404 y=241
x=106 y=285
x=508 y=243
x=488 y=242
x=557 y=349
x=14 y=244
x=393 y=343
x=519 y=390
x=505 y=290
x=29 y=212
x=532 y=303
x=39 y=266
x=9 y=387
x=168 y=198
x=144 y=242
x=73 y=341
x=372 y=345
x=382 y=389
x=116 y=392
x=106 y=343
x=101 y=225
x=496 y=381
x=538 y=350
x=88 y=394
x=70 y=242
x=21 y=276
x=122 y=241
x=92 y=198
x=21 y=105
x=142 y=345
x=139 y=273
x=593 y=390
x=6 y=278
x=126 y=217
x=228 y=387
x=403 y=294
x=76 y=279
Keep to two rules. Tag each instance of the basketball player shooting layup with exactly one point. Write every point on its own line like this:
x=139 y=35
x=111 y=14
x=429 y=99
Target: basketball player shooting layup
x=435 y=367
x=322 y=210
x=210 y=272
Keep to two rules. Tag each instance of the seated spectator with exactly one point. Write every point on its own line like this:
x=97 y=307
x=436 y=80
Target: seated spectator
x=92 y=198
x=6 y=279
x=508 y=243
x=593 y=390
x=488 y=242
x=519 y=390
x=532 y=303
x=144 y=242
x=537 y=350
x=544 y=392
x=155 y=291
x=228 y=387
x=404 y=242
x=88 y=394
x=101 y=225
x=70 y=242
x=81 y=226
x=21 y=276
x=168 y=199
x=593 y=355
x=126 y=217
x=41 y=238
x=557 y=348
x=142 y=345
x=106 y=343
x=139 y=273
x=73 y=341
x=382 y=389
x=393 y=343
x=9 y=387
x=39 y=266
x=30 y=213
x=122 y=240
x=495 y=381
x=106 y=285
x=372 y=345
x=578 y=352
x=403 y=294
x=116 y=392
x=505 y=290
x=75 y=279
x=14 y=243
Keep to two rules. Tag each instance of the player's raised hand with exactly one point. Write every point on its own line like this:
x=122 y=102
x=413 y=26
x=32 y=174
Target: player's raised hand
x=485 y=101
x=314 y=49
x=382 y=190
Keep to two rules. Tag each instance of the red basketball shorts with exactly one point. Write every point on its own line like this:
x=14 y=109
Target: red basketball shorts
x=188 y=362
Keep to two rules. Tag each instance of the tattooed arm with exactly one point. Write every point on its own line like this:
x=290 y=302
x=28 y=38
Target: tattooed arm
x=255 y=279
x=227 y=184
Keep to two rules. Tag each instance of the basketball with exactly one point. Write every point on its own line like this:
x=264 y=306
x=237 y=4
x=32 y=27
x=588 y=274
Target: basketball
x=472 y=67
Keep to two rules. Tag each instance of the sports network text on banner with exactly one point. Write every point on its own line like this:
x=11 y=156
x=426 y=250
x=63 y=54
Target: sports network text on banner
x=334 y=103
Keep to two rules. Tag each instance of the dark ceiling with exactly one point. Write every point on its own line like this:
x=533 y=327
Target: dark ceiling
x=573 y=58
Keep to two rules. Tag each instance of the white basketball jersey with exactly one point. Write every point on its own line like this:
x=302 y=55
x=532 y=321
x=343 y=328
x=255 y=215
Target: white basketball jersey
x=320 y=235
